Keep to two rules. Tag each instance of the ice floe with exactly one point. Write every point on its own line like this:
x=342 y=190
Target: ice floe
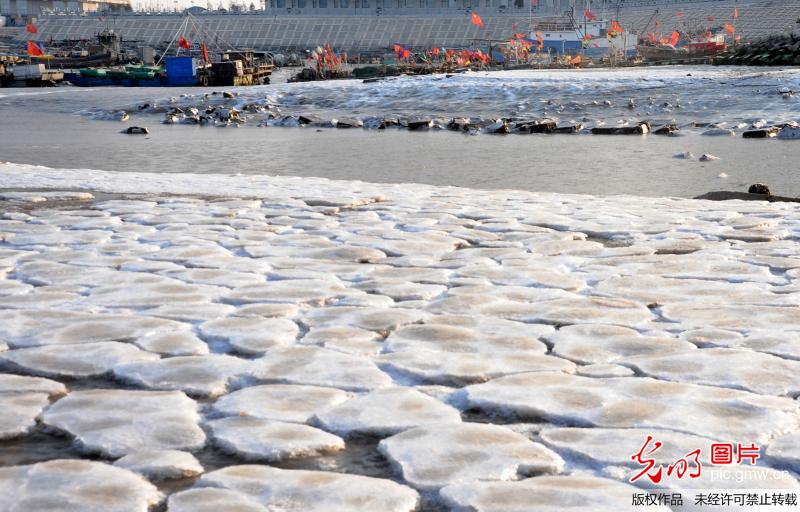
x=280 y=402
x=79 y=485
x=785 y=451
x=82 y=360
x=158 y=465
x=385 y=412
x=250 y=334
x=759 y=373
x=310 y=491
x=118 y=422
x=460 y=368
x=208 y=375
x=260 y=439
x=319 y=367
x=431 y=457
x=642 y=402
x=597 y=343
x=543 y=494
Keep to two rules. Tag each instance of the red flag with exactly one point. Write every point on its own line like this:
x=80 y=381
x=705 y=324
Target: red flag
x=673 y=38
x=589 y=15
x=735 y=12
x=518 y=36
x=204 y=50
x=616 y=27
x=476 y=20
x=34 y=49
x=30 y=27
x=729 y=28
x=680 y=14
x=183 y=43
x=436 y=52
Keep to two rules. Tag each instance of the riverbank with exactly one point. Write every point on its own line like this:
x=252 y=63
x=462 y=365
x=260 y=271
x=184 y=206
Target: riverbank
x=385 y=347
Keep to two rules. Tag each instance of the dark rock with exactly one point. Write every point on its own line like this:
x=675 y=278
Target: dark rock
x=759 y=188
x=136 y=130
x=568 y=129
x=667 y=129
x=764 y=133
x=499 y=126
x=228 y=95
x=420 y=124
x=349 y=123
x=387 y=122
x=639 y=129
x=461 y=124
x=537 y=127
x=309 y=119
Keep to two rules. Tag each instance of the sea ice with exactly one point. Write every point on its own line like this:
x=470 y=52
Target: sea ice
x=20 y=410
x=446 y=337
x=598 y=343
x=542 y=494
x=311 y=491
x=81 y=360
x=158 y=465
x=319 y=367
x=250 y=334
x=724 y=367
x=207 y=375
x=298 y=291
x=211 y=499
x=173 y=344
x=602 y=447
x=433 y=456
x=385 y=412
x=372 y=319
x=460 y=368
x=280 y=402
x=118 y=422
x=642 y=402
x=784 y=451
x=260 y=439
x=350 y=340
x=74 y=485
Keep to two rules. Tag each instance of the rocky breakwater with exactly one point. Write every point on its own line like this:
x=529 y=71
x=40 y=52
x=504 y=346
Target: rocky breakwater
x=777 y=50
x=492 y=350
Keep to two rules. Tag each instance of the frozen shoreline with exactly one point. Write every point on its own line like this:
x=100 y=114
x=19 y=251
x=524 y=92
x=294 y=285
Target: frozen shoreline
x=280 y=318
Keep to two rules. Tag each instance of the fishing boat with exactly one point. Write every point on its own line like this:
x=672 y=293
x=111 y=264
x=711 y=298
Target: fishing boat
x=593 y=38
x=700 y=47
x=106 y=50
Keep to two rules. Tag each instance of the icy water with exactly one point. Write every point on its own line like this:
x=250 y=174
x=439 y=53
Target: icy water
x=70 y=131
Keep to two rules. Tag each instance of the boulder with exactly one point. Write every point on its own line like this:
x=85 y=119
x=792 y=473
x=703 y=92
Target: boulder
x=419 y=124
x=638 y=129
x=349 y=123
x=759 y=188
x=136 y=130
x=763 y=133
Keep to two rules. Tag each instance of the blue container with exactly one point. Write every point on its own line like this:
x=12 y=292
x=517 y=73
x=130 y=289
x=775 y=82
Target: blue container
x=181 y=71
